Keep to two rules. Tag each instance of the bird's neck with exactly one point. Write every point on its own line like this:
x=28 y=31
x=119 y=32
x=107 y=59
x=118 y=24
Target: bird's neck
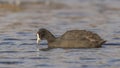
x=50 y=37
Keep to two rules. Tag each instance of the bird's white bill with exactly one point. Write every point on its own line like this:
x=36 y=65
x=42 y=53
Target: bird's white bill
x=38 y=39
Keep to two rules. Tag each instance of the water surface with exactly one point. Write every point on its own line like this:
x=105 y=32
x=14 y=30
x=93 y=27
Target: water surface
x=19 y=24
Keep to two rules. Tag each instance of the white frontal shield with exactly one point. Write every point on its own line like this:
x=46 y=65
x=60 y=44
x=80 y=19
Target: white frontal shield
x=38 y=38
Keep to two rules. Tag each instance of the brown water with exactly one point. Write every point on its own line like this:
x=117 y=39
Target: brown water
x=19 y=24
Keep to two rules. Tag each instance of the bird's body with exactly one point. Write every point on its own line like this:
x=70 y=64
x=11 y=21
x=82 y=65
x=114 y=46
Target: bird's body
x=72 y=39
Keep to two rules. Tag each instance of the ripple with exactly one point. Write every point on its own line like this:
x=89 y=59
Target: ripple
x=96 y=66
x=76 y=62
x=22 y=33
x=7 y=43
x=112 y=44
x=39 y=58
x=116 y=38
x=114 y=60
x=14 y=39
x=9 y=51
x=33 y=39
x=69 y=14
x=43 y=43
x=44 y=65
x=17 y=51
x=88 y=58
x=28 y=51
x=28 y=44
x=117 y=32
x=85 y=66
x=45 y=49
x=10 y=62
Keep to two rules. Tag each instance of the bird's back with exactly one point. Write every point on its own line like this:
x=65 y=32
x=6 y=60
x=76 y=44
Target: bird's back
x=78 y=39
x=80 y=34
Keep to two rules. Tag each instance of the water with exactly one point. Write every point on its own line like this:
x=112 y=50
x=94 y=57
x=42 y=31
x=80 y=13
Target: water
x=19 y=24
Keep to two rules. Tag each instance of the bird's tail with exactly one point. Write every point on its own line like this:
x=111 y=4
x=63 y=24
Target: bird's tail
x=102 y=42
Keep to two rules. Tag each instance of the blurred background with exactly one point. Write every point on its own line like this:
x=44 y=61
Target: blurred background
x=101 y=16
x=21 y=19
